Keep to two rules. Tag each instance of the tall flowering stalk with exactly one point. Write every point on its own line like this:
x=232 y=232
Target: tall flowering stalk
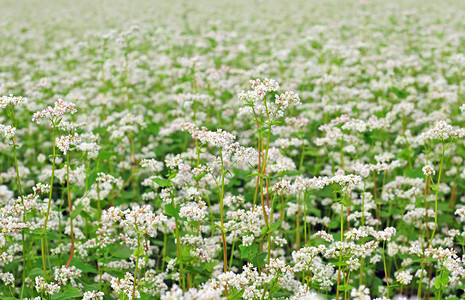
x=142 y=222
x=436 y=188
x=64 y=143
x=230 y=153
x=54 y=115
x=265 y=114
x=446 y=134
x=9 y=133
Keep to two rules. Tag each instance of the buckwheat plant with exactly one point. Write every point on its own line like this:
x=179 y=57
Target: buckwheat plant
x=232 y=150
x=54 y=115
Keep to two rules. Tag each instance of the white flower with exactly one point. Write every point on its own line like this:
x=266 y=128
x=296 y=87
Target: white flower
x=93 y=295
x=7 y=100
x=7 y=131
x=404 y=277
x=52 y=113
x=64 y=142
x=285 y=99
x=428 y=170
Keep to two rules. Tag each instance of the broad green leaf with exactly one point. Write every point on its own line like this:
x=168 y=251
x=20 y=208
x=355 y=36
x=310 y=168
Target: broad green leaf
x=162 y=182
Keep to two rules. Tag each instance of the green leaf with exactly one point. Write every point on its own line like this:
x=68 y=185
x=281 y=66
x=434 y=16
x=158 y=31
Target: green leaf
x=340 y=264
x=146 y=297
x=257 y=174
x=105 y=155
x=171 y=210
x=67 y=294
x=262 y=130
x=248 y=251
x=138 y=252
x=274 y=226
x=238 y=295
x=437 y=283
x=245 y=251
x=83 y=267
x=76 y=211
x=35 y=272
x=345 y=201
x=91 y=287
x=259 y=260
x=345 y=287
x=415 y=173
x=405 y=154
x=444 y=276
x=121 y=251
x=162 y=182
x=198 y=177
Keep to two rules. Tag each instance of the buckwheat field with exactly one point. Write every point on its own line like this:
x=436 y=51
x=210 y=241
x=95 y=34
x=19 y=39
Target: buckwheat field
x=232 y=149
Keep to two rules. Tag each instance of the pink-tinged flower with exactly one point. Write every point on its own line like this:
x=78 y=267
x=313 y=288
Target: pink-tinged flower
x=63 y=143
x=53 y=113
x=7 y=100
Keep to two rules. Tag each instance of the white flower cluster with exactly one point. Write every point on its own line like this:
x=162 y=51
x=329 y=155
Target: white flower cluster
x=285 y=99
x=404 y=277
x=64 y=275
x=93 y=295
x=139 y=218
x=264 y=87
x=225 y=142
x=8 y=279
x=125 y=286
x=64 y=142
x=53 y=113
x=70 y=126
x=441 y=131
x=47 y=288
x=256 y=100
x=122 y=123
x=102 y=177
x=7 y=131
x=92 y=149
x=461 y=214
x=304 y=258
x=386 y=234
x=428 y=170
x=193 y=211
x=219 y=138
x=41 y=188
x=202 y=248
x=12 y=100
x=152 y=164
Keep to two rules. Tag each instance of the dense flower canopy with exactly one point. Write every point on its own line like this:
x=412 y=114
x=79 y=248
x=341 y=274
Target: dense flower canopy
x=232 y=149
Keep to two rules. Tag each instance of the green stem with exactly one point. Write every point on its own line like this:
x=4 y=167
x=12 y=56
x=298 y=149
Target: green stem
x=340 y=251
x=70 y=212
x=137 y=267
x=223 y=235
x=18 y=180
x=164 y=249
x=49 y=204
x=178 y=249
x=436 y=198
x=231 y=257
x=385 y=270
